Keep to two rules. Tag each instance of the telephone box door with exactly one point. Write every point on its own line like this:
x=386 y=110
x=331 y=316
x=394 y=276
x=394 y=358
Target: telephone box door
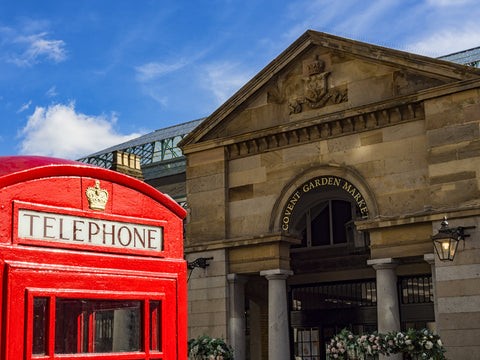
x=59 y=312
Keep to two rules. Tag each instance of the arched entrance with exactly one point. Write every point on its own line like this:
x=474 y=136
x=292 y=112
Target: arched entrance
x=332 y=287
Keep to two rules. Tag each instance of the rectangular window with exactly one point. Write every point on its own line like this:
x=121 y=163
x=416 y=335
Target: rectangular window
x=40 y=313
x=416 y=289
x=97 y=326
x=307 y=344
x=320 y=225
x=83 y=327
x=341 y=214
x=334 y=295
x=325 y=224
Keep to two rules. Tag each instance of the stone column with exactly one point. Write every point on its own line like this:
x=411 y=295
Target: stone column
x=430 y=258
x=278 y=340
x=388 y=309
x=236 y=324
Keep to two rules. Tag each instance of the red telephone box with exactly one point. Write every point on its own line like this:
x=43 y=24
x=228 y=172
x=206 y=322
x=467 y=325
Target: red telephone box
x=91 y=264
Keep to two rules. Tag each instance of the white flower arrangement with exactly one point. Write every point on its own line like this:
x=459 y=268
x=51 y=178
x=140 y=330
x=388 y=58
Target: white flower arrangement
x=421 y=343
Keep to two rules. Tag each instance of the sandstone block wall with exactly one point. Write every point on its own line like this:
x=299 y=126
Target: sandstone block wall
x=206 y=187
x=208 y=296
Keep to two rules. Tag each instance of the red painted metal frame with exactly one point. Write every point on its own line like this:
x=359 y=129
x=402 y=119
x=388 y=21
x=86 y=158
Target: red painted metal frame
x=166 y=298
x=16 y=169
x=30 y=267
x=167 y=322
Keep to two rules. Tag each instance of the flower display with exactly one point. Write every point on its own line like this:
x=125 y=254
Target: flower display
x=422 y=344
x=341 y=344
x=206 y=348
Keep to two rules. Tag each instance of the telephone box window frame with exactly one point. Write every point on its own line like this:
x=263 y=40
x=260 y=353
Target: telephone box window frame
x=146 y=352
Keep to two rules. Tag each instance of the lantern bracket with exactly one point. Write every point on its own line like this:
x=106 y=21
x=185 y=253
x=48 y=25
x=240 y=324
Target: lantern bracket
x=446 y=240
x=201 y=262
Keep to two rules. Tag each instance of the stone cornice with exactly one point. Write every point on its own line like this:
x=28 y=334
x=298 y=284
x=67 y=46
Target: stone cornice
x=320 y=127
x=334 y=125
x=339 y=123
x=425 y=216
x=393 y=57
x=281 y=129
x=242 y=241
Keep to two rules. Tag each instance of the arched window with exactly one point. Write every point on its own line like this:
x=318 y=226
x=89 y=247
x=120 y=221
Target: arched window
x=327 y=220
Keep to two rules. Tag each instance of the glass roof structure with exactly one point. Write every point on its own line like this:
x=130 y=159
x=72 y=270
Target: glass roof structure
x=470 y=57
x=155 y=147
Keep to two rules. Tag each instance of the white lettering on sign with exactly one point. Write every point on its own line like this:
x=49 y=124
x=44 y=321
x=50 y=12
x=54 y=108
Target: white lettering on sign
x=47 y=226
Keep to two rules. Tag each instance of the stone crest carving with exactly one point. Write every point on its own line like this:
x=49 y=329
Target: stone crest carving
x=310 y=91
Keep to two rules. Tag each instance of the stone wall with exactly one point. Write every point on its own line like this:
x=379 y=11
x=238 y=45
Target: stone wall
x=208 y=296
x=452 y=128
x=458 y=295
x=392 y=160
x=206 y=187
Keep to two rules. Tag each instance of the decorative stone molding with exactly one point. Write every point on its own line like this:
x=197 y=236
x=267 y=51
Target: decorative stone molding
x=317 y=94
x=311 y=91
x=328 y=129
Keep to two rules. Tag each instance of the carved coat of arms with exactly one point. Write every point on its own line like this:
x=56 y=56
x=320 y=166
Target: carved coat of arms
x=314 y=90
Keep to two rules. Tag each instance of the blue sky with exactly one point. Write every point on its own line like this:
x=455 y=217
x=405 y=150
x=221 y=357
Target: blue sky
x=79 y=76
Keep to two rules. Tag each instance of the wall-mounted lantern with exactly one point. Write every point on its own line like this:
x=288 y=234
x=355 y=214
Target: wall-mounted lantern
x=447 y=239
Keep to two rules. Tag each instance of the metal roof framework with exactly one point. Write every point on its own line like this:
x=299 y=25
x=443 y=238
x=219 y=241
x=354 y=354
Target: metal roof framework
x=470 y=57
x=156 y=147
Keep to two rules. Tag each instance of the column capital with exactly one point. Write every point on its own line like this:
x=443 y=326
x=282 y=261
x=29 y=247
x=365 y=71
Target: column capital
x=232 y=278
x=276 y=274
x=429 y=258
x=385 y=263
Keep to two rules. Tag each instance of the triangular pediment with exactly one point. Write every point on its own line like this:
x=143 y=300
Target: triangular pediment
x=320 y=75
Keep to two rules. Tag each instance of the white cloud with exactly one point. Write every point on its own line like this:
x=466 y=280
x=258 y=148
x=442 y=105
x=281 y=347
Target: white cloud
x=224 y=79
x=24 y=107
x=52 y=92
x=429 y=27
x=444 y=3
x=447 y=41
x=157 y=96
x=154 y=70
x=34 y=48
x=60 y=131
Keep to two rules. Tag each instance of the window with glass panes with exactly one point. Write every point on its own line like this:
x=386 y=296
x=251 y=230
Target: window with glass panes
x=63 y=326
x=324 y=224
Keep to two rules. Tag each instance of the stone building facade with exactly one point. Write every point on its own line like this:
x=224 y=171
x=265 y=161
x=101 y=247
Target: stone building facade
x=314 y=192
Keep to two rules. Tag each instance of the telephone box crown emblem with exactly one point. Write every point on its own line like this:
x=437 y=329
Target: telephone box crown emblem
x=97 y=197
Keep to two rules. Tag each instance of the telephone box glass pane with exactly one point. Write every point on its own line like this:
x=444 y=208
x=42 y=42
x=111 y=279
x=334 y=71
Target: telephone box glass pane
x=40 y=309
x=155 y=325
x=97 y=326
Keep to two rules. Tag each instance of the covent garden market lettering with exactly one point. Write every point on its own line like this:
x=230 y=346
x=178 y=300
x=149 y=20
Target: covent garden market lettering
x=318 y=184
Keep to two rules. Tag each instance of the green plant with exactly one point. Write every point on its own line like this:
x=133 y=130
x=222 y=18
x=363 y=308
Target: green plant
x=206 y=348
